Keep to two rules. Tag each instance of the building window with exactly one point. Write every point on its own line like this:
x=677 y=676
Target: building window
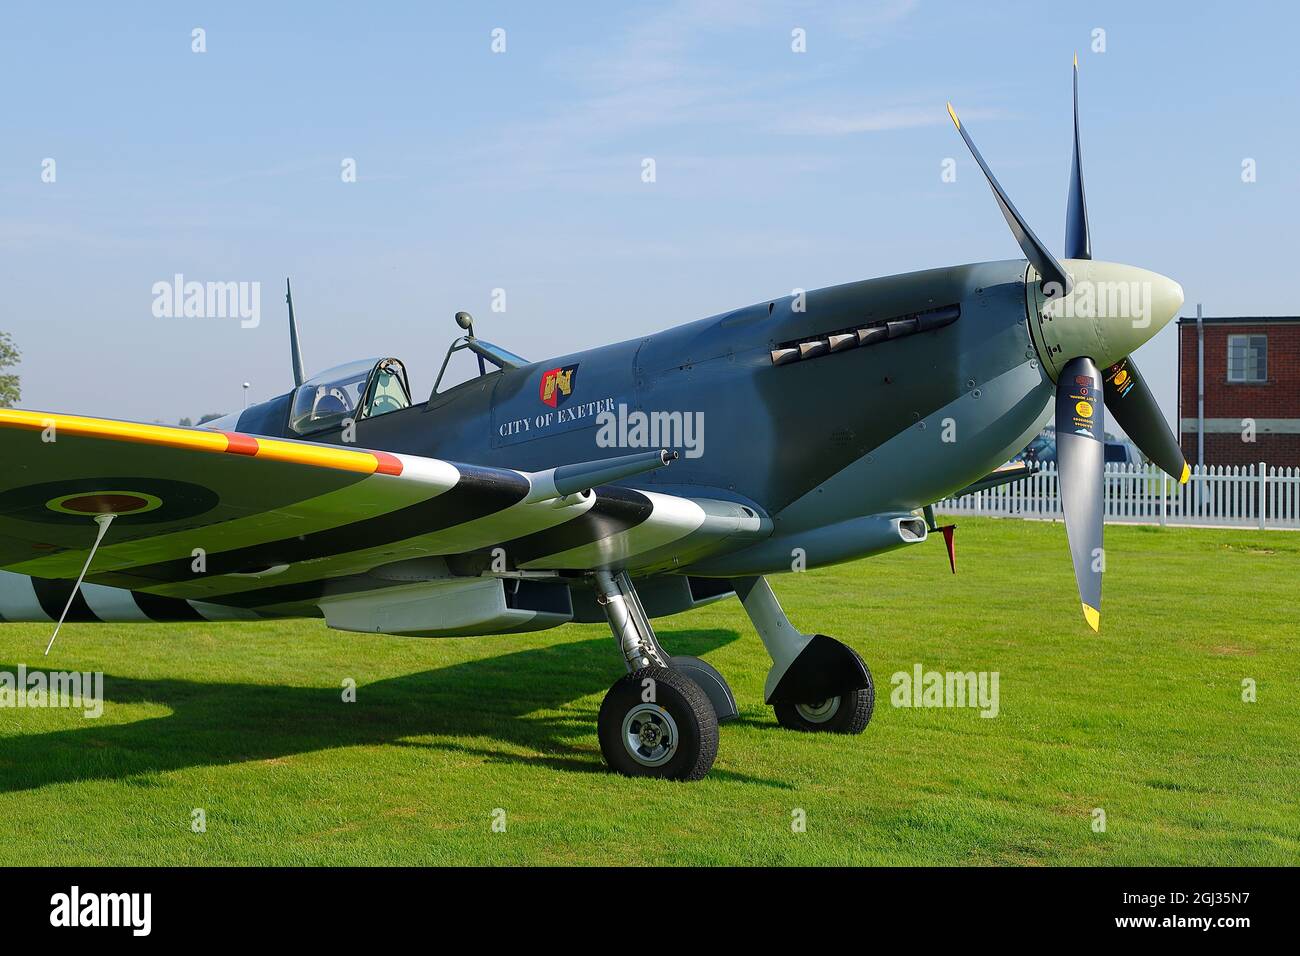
x=1247 y=358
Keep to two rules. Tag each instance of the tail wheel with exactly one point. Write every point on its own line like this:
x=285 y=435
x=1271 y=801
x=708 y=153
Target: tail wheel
x=657 y=722
x=846 y=714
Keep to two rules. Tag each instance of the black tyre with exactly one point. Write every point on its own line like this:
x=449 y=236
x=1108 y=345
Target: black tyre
x=847 y=714
x=656 y=722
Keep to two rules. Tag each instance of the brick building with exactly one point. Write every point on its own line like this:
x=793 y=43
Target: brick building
x=1251 y=374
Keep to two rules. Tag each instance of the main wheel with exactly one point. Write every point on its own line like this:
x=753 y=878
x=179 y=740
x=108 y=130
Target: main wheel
x=846 y=714
x=656 y=722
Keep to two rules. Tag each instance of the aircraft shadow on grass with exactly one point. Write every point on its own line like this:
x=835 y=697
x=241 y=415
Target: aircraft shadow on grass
x=213 y=724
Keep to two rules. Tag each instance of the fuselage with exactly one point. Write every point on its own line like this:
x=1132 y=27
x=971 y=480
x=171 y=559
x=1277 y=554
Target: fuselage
x=824 y=445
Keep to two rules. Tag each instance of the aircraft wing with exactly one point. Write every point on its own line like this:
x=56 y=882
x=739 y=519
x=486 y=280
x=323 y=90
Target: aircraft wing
x=1002 y=475
x=248 y=522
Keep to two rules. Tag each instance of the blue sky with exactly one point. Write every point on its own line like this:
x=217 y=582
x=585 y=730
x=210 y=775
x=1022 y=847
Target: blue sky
x=522 y=170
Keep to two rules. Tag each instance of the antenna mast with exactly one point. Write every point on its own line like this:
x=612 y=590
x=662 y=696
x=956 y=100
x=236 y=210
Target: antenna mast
x=295 y=353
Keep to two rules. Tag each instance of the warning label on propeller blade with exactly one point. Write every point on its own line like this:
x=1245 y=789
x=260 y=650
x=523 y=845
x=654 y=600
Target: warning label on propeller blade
x=1082 y=404
x=1120 y=378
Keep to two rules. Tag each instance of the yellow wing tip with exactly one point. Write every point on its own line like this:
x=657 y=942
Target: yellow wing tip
x=1092 y=616
x=1187 y=473
x=953 y=113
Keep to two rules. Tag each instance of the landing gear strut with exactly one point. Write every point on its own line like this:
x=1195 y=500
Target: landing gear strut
x=816 y=683
x=661 y=719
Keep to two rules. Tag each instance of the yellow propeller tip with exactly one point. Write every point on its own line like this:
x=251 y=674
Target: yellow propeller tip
x=953 y=113
x=1093 y=617
x=1187 y=473
x=1076 y=61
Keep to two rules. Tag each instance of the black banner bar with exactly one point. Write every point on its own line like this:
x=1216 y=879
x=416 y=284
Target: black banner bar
x=998 y=904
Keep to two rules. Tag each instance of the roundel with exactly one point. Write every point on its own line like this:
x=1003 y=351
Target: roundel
x=1084 y=409
x=140 y=500
x=92 y=503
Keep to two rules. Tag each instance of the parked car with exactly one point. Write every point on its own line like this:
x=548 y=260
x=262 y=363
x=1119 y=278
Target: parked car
x=1043 y=450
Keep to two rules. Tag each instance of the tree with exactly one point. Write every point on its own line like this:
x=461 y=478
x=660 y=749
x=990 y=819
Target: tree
x=9 y=355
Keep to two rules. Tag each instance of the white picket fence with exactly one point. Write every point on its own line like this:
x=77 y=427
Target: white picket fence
x=1248 y=496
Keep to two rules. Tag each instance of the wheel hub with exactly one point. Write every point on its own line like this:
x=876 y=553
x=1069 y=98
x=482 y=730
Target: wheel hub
x=820 y=711
x=650 y=735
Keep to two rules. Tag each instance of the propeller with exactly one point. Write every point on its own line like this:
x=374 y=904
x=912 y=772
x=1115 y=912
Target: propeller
x=1127 y=396
x=1038 y=254
x=1080 y=464
x=1078 y=243
x=1132 y=404
x=1083 y=393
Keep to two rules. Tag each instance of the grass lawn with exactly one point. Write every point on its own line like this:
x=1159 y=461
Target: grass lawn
x=1145 y=722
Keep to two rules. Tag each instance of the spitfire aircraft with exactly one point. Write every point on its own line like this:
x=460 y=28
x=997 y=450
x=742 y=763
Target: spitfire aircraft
x=582 y=488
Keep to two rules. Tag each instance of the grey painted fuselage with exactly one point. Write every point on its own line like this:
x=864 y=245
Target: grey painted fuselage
x=829 y=447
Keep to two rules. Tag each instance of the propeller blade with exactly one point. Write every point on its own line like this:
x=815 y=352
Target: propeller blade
x=1038 y=255
x=1134 y=406
x=1080 y=460
x=1078 y=242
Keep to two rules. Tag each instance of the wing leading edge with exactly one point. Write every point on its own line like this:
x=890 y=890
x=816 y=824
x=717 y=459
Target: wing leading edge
x=236 y=522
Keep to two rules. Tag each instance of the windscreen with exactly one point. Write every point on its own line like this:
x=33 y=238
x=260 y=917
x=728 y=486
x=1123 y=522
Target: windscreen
x=329 y=398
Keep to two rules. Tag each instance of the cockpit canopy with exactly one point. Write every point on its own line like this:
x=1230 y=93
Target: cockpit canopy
x=363 y=389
